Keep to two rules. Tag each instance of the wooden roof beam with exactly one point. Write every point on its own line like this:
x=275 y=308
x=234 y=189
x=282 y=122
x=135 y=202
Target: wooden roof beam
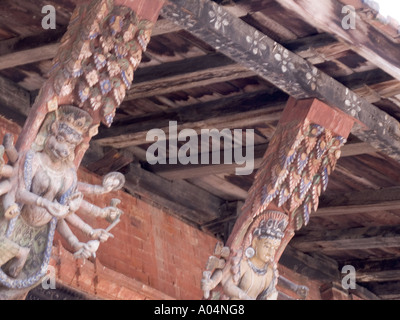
x=19 y=51
x=327 y=15
x=233 y=112
x=376 y=271
x=193 y=204
x=185 y=74
x=360 y=201
x=363 y=238
x=179 y=171
x=289 y=72
x=15 y=102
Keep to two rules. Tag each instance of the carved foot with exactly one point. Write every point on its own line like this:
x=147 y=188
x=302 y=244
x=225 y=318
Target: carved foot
x=19 y=262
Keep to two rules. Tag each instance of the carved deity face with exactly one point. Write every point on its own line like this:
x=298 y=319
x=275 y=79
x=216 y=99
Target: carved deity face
x=62 y=141
x=265 y=248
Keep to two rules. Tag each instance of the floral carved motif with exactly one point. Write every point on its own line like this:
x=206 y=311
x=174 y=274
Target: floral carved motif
x=294 y=172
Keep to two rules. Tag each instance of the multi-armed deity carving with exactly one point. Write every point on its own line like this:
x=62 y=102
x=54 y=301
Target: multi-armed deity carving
x=42 y=195
x=294 y=172
x=40 y=190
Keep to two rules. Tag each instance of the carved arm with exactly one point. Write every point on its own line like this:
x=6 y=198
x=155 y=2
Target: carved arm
x=11 y=151
x=233 y=291
x=110 y=213
x=98 y=234
x=111 y=182
x=54 y=208
x=67 y=234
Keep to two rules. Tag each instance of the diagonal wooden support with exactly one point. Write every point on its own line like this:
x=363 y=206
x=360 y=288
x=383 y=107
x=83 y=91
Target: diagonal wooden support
x=293 y=174
x=95 y=63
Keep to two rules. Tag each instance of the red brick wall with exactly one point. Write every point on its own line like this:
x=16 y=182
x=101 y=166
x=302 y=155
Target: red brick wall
x=152 y=246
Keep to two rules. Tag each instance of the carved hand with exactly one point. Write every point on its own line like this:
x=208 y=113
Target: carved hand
x=101 y=235
x=113 y=181
x=87 y=249
x=82 y=251
x=111 y=213
x=74 y=201
x=207 y=284
x=54 y=208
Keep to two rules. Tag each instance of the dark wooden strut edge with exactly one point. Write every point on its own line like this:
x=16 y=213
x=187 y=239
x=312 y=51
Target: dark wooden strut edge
x=292 y=74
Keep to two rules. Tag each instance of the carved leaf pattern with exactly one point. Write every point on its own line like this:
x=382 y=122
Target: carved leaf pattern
x=98 y=56
x=298 y=168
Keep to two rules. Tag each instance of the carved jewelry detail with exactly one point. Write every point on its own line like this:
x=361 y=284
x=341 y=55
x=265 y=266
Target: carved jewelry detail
x=259 y=271
x=250 y=252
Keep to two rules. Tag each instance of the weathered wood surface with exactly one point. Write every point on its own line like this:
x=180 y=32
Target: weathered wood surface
x=23 y=50
x=179 y=171
x=386 y=290
x=292 y=74
x=327 y=15
x=317 y=267
x=14 y=101
x=185 y=74
x=362 y=201
x=348 y=239
x=190 y=202
x=377 y=271
x=234 y=112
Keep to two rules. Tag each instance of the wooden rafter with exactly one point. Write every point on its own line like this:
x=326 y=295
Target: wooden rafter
x=289 y=72
x=185 y=74
x=179 y=171
x=44 y=46
x=317 y=267
x=233 y=112
x=327 y=15
x=377 y=271
x=348 y=239
x=193 y=204
x=361 y=201
x=14 y=101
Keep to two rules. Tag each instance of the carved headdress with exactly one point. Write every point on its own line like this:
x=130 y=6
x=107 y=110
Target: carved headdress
x=272 y=226
x=73 y=118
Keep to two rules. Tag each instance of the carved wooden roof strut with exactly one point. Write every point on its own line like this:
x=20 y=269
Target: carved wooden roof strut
x=286 y=190
x=95 y=62
x=91 y=72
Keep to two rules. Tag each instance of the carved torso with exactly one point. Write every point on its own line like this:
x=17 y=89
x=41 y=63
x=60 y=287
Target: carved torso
x=47 y=183
x=253 y=283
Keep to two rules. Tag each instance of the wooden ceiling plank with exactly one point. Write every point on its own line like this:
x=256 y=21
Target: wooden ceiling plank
x=29 y=49
x=324 y=14
x=348 y=239
x=376 y=271
x=185 y=74
x=179 y=171
x=317 y=268
x=191 y=203
x=24 y=50
x=361 y=201
x=232 y=112
x=14 y=97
